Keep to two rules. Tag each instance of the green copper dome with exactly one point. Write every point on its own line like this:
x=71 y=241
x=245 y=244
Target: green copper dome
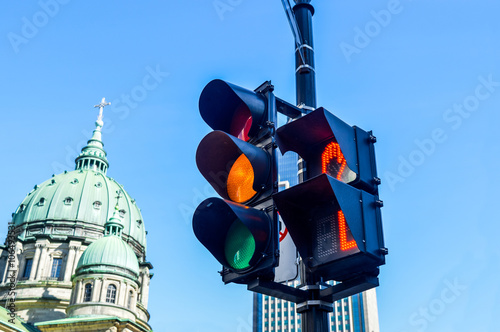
x=82 y=195
x=78 y=203
x=109 y=254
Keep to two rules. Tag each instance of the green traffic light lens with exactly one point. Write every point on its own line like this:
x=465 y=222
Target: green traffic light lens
x=240 y=246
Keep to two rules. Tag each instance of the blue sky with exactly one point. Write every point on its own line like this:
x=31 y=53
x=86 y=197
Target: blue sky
x=423 y=75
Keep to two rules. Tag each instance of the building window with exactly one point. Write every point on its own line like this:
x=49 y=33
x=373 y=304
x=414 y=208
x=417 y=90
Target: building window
x=56 y=268
x=41 y=202
x=122 y=213
x=68 y=200
x=97 y=205
x=87 y=295
x=27 y=268
x=111 y=294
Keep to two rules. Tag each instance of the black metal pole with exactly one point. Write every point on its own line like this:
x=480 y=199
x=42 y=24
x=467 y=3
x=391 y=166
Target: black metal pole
x=305 y=76
x=314 y=311
x=304 y=56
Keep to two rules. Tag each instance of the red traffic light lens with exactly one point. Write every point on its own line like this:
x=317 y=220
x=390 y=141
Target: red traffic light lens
x=241 y=123
x=333 y=162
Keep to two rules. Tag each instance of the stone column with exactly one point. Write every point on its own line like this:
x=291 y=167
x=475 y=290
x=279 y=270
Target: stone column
x=70 y=262
x=102 y=295
x=78 y=291
x=96 y=294
x=43 y=262
x=36 y=258
x=121 y=297
x=145 y=289
x=140 y=288
x=74 y=290
x=78 y=253
x=134 y=300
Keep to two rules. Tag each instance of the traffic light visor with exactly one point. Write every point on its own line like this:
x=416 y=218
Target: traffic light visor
x=331 y=146
x=316 y=220
x=236 y=235
x=233 y=109
x=236 y=170
x=335 y=227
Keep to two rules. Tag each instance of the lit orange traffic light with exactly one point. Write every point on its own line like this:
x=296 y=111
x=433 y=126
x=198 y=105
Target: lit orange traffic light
x=237 y=170
x=240 y=180
x=237 y=159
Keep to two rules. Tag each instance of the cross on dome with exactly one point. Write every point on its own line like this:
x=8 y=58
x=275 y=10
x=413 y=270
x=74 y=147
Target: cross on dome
x=93 y=155
x=101 y=107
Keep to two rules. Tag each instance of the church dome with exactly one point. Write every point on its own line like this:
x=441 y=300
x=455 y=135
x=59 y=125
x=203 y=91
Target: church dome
x=78 y=203
x=109 y=254
x=81 y=195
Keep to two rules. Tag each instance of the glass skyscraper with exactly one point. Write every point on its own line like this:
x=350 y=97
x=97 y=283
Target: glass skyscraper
x=357 y=313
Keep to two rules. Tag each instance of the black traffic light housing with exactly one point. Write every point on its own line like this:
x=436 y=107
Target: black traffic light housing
x=333 y=217
x=310 y=135
x=336 y=228
x=218 y=222
x=238 y=160
x=233 y=109
x=216 y=164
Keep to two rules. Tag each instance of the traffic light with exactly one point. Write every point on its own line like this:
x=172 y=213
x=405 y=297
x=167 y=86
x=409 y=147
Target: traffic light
x=330 y=146
x=334 y=217
x=238 y=160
